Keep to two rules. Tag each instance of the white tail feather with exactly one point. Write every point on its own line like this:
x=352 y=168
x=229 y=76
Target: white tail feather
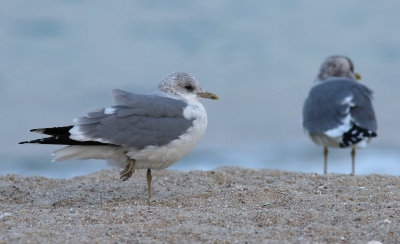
x=86 y=152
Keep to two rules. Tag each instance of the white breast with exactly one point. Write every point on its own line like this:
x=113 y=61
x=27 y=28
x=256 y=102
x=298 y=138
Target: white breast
x=154 y=157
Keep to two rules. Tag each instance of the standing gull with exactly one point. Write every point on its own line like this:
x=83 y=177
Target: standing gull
x=338 y=111
x=140 y=131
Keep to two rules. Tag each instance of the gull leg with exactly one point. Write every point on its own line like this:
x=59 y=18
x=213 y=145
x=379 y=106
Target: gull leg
x=353 y=163
x=325 y=160
x=129 y=170
x=148 y=175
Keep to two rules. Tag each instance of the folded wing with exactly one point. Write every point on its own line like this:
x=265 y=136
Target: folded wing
x=136 y=121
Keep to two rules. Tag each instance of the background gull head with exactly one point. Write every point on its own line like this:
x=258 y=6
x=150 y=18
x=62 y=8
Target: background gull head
x=337 y=66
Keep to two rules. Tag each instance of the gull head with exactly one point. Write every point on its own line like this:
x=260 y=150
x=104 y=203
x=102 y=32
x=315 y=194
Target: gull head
x=337 y=66
x=185 y=86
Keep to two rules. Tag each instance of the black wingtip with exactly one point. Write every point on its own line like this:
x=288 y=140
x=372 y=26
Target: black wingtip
x=64 y=140
x=53 y=131
x=29 y=142
x=355 y=135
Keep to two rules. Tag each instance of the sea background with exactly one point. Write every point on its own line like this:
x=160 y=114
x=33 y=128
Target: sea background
x=61 y=59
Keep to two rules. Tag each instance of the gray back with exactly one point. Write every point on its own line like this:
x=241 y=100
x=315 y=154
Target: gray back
x=324 y=108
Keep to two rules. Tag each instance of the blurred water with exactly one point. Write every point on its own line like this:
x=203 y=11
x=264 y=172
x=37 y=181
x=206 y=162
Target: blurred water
x=60 y=59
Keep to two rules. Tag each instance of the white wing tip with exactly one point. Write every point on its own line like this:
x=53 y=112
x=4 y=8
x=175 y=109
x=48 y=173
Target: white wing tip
x=109 y=110
x=77 y=137
x=75 y=131
x=348 y=100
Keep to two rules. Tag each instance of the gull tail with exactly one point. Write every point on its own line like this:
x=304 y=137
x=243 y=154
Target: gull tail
x=85 y=152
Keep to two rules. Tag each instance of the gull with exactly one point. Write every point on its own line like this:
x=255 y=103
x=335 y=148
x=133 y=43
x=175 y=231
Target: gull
x=139 y=131
x=338 y=111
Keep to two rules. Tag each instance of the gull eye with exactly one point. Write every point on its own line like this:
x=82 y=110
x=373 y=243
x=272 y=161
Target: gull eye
x=189 y=88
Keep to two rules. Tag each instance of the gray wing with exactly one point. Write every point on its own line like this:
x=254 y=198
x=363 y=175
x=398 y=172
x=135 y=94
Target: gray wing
x=329 y=102
x=363 y=113
x=137 y=121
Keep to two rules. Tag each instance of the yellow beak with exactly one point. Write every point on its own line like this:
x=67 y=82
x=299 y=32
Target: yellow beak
x=358 y=76
x=207 y=95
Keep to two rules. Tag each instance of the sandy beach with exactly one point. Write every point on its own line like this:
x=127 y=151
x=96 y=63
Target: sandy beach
x=225 y=205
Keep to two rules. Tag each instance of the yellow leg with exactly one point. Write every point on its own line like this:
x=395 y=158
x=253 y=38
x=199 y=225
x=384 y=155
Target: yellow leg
x=149 y=184
x=353 y=159
x=325 y=160
x=129 y=170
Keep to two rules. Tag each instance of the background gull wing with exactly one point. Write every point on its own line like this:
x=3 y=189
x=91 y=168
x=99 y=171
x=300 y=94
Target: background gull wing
x=330 y=103
x=137 y=121
x=363 y=113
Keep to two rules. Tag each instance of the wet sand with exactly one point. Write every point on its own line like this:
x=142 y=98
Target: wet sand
x=224 y=205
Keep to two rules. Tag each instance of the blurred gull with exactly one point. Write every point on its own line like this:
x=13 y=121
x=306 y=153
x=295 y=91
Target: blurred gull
x=338 y=111
x=140 y=131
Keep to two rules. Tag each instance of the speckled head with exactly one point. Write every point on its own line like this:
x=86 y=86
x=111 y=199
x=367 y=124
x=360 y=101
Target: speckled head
x=337 y=66
x=183 y=85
